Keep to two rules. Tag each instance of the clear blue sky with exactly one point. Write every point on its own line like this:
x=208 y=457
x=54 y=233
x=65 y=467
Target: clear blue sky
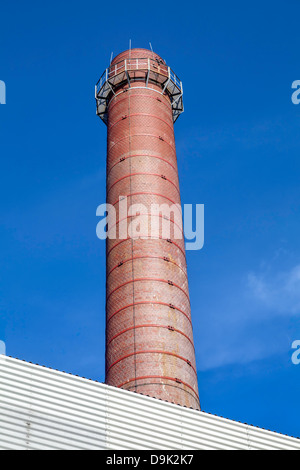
x=238 y=150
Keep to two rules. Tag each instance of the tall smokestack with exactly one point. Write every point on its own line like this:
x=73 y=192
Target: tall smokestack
x=149 y=337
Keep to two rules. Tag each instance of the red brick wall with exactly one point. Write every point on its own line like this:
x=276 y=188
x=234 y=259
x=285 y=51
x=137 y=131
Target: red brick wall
x=149 y=338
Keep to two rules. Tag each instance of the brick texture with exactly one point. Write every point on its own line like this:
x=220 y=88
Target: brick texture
x=149 y=337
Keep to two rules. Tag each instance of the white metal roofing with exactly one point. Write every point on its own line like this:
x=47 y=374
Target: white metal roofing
x=41 y=408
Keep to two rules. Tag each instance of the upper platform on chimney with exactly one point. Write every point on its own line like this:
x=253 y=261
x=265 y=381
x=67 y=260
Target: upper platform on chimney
x=138 y=65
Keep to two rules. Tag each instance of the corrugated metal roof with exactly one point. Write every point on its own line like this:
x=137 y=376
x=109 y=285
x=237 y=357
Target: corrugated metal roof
x=96 y=381
x=42 y=408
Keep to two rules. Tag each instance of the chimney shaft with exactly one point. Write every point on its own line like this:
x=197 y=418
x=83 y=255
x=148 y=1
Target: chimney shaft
x=149 y=337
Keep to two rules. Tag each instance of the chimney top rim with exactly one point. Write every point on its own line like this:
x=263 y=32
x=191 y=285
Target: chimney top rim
x=134 y=50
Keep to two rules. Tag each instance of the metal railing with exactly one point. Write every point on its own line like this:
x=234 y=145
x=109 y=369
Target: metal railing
x=150 y=70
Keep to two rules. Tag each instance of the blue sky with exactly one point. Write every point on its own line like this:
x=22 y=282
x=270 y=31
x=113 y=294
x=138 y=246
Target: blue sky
x=238 y=151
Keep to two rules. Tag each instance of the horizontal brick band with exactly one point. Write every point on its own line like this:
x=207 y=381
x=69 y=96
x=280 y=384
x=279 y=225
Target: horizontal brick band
x=143 y=174
x=167 y=353
x=152 y=279
x=139 y=193
x=149 y=215
x=145 y=384
x=122 y=159
x=150 y=238
x=139 y=114
x=167 y=327
x=158 y=377
x=163 y=258
x=140 y=135
x=150 y=302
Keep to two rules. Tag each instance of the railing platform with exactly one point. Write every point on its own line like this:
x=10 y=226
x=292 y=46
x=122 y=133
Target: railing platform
x=130 y=70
